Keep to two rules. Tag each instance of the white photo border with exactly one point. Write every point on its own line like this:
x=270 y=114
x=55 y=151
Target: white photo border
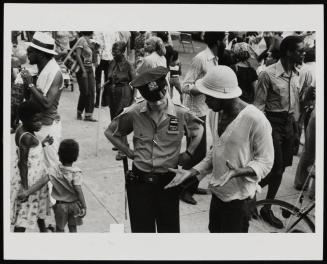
x=170 y=17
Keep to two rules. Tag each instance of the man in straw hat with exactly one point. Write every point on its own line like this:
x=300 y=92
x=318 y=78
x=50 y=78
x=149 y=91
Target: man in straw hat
x=241 y=155
x=47 y=90
x=159 y=126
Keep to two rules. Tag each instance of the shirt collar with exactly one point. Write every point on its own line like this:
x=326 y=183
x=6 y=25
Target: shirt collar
x=280 y=69
x=169 y=110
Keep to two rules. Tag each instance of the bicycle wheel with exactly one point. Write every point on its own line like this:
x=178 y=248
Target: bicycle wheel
x=284 y=211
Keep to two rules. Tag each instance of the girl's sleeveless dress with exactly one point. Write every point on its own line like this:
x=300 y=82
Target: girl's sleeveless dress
x=25 y=214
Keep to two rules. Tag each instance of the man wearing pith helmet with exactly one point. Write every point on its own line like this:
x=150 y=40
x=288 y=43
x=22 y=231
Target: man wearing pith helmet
x=159 y=126
x=241 y=155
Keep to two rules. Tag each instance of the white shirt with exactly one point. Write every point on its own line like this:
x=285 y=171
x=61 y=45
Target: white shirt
x=246 y=142
x=106 y=39
x=199 y=67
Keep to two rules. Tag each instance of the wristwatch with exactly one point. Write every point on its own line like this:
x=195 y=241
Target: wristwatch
x=30 y=85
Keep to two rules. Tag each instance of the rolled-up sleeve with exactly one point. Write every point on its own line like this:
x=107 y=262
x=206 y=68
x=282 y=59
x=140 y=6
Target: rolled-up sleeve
x=262 y=88
x=124 y=124
x=205 y=166
x=263 y=149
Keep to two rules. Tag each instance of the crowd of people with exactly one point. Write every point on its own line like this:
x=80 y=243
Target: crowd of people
x=255 y=89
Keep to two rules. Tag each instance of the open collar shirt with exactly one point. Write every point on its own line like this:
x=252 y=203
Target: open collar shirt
x=156 y=146
x=277 y=91
x=246 y=142
x=199 y=67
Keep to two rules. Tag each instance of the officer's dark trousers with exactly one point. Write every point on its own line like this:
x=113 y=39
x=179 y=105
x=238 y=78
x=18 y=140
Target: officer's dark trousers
x=283 y=139
x=228 y=217
x=151 y=208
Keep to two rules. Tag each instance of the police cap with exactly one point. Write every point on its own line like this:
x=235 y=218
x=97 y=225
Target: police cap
x=149 y=76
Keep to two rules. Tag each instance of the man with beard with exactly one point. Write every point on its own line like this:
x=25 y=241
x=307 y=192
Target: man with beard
x=195 y=100
x=278 y=96
x=241 y=155
x=159 y=126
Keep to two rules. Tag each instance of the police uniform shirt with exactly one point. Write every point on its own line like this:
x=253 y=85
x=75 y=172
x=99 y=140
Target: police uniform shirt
x=156 y=146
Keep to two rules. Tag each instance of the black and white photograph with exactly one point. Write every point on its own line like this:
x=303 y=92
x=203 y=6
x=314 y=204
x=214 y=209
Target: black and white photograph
x=133 y=131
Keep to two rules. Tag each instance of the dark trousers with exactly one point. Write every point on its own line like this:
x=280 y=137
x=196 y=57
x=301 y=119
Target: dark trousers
x=283 y=126
x=198 y=155
x=102 y=67
x=228 y=217
x=151 y=207
x=87 y=90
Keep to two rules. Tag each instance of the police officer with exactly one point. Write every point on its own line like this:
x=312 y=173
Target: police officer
x=159 y=126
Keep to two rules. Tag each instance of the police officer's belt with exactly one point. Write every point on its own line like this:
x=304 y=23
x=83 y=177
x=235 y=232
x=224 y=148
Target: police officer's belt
x=147 y=177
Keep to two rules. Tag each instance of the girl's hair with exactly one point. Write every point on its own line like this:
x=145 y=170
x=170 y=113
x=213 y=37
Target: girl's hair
x=157 y=45
x=27 y=110
x=68 y=151
x=121 y=45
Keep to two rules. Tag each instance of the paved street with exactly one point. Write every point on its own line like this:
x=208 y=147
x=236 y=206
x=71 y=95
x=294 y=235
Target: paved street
x=103 y=175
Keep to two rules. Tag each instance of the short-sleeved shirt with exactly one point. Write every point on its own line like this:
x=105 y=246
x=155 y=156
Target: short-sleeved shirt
x=156 y=147
x=277 y=91
x=86 y=51
x=63 y=180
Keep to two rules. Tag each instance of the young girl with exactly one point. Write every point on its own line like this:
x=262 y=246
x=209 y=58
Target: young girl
x=29 y=168
x=175 y=68
x=66 y=179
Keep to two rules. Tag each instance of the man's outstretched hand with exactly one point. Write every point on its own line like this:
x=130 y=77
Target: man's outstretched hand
x=181 y=175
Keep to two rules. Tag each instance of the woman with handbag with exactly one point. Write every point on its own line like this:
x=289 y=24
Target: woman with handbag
x=85 y=76
x=118 y=92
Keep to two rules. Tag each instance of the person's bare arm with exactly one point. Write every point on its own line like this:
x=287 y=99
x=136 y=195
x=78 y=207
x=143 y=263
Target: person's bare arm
x=48 y=100
x=117 y=140
x=81 y=199
x=79 y=60
x=26 y=143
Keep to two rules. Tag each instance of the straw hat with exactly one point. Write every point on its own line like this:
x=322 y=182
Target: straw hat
x=219 y=82
x=43 y=42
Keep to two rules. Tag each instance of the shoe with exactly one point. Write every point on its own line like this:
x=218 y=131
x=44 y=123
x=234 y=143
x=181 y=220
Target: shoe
x=187 y=198
x=201 y=191
x=96 y=106
x=120 y=156
x=268 y=216
x=90 y=119
x=114 y=149
x=79 y=117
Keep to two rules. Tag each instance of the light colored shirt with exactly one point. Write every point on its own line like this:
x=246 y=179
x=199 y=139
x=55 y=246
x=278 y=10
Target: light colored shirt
x=246 y=142
x=199 y=67
x=307 y=76
x=63 y=180
x=277 y=91
x=152 y=61
x=86 y=51
x=106 y=39
x=156 y=146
